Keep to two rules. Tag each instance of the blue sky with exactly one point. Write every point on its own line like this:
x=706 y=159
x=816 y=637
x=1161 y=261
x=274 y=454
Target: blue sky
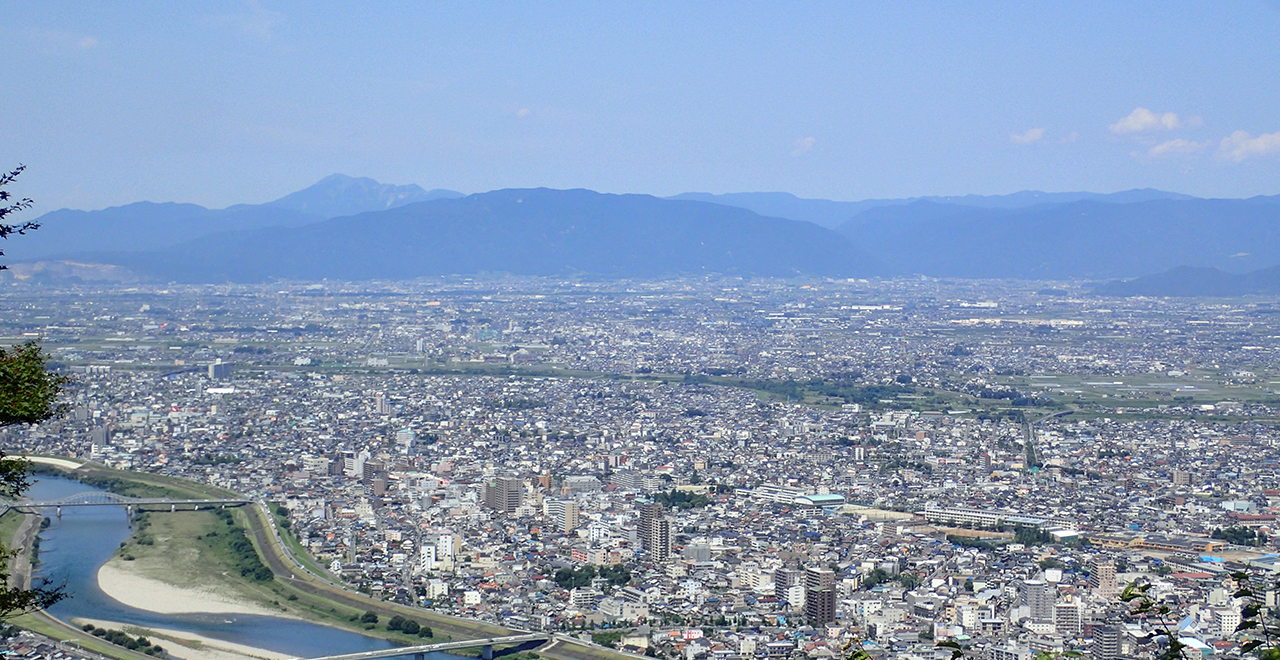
x=224 y=102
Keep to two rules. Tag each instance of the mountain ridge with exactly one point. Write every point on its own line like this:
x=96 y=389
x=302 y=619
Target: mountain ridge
x=144 y=226
x=338 y=195
x=1077 y=240
x=1100 y=236
x=1193 y=282
x=520 y=231
x=832 y=214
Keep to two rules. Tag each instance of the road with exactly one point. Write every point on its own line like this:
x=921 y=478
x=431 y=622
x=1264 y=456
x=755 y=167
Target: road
x=278 y=557
x=275 y=553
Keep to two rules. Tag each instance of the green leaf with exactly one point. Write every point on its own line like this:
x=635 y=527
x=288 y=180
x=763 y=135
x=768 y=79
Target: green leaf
x=27 y=390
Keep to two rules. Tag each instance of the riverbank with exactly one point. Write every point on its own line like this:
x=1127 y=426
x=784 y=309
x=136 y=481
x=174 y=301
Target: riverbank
x=209 y=561
x=293 y=591
x=188 y=645
x=187 y=562
x=23 y=542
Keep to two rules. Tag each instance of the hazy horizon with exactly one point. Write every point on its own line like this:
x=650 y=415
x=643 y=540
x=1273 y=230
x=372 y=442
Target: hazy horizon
x=697 y=192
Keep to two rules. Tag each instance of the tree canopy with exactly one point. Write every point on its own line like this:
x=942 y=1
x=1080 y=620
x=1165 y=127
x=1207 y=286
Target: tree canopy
x=28 y=394
x=7 y=208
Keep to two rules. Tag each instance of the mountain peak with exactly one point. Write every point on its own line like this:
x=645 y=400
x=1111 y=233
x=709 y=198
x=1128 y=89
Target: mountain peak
x=340 y=194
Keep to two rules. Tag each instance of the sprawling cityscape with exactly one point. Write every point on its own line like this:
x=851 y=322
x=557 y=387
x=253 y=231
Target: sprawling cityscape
x=713 y=468
x=630 y=331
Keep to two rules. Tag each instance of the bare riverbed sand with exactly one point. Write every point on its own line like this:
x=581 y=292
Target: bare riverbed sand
x=129 y=587
x=60 y=462
x=189 y=646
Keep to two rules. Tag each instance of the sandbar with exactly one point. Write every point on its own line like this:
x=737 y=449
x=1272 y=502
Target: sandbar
x=144 y=593
x=60 y=462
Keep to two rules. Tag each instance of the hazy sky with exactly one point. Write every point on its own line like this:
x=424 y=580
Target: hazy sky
x=225 y=102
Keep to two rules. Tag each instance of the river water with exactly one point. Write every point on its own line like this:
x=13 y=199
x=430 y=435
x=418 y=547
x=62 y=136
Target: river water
x=74 y=546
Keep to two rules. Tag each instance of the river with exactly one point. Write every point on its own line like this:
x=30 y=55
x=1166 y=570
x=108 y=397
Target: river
x=74 y=546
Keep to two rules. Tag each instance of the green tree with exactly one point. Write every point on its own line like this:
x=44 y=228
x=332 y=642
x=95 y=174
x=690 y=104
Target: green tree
x=569 y=578
x=616 y=574
x=369 y=617
x=16 y=601
x=28 y=392
x=1259 y=627
x=7 y=208
x=1140 y=604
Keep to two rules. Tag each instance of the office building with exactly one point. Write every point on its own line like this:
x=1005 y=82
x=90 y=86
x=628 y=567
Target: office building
x=1039 y=597
x=1106 y=643
x=563 y=514
x=1102 y=578
x=219 y=370
x=655 y=532
x=819 y=594
x=503 y=494
x=405 y=440
x=1068 y=619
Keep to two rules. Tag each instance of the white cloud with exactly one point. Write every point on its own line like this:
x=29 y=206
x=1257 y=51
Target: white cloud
x=1142 y=119
x=61 y=42
x=1240 y=145
x=802 y=146
x=1178 y=146
x=255 y=21
x=523 y=112
x=1075 y=135
x=1027 y=138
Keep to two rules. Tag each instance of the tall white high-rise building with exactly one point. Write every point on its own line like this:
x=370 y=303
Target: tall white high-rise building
x=1102 y=578
x=405 y=440
x=1039 y=596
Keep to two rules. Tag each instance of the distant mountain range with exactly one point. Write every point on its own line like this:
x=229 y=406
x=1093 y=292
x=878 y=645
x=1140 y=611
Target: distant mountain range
x=1075 y=240
x=831 y=214
x=147 y=226
x=349 y=228
x=535 y=232
x=1189 y=282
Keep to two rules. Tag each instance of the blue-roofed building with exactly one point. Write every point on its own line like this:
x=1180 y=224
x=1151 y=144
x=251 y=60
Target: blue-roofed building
x=824 y=500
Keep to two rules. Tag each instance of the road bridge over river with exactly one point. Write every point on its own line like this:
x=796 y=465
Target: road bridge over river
x=98 y=498
x=486 y=645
